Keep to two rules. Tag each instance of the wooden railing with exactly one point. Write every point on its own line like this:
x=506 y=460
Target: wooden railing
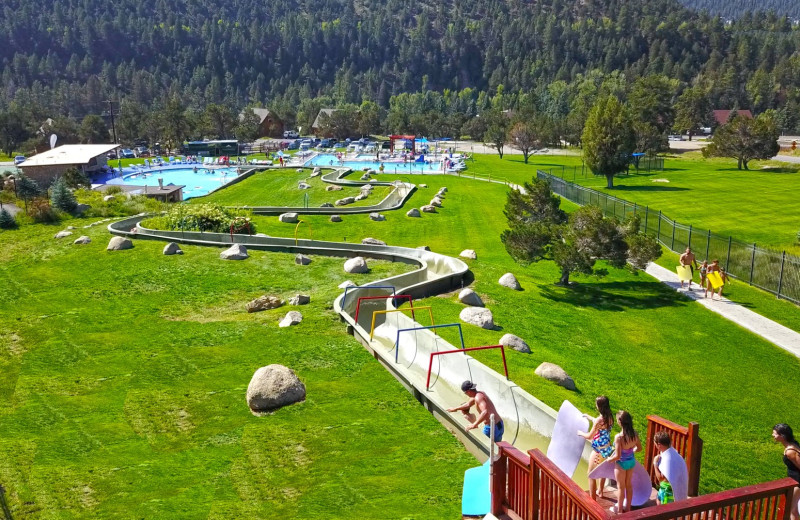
x=768 y=501
x=687 y=442
x=558 y=497
x=511 y=485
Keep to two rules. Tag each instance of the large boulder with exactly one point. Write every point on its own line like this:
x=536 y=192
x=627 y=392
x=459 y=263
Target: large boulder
x=428 y=209
x=443 y=189
x=373 y=242
x=336 y=218
x=289 y=218
x=356 y=265
x=62 y=234
x=273 y=387
x=316 y=171
x=377 y=217
x=81 y=208
x=515 y=342
x=333 y=187
x=510 y=281
x=367 y=188
x=436 y=202
x=291 y=318
x=361 y=196
x=83 y=240
x=413 y=212
x=423 y=185
x=326 y=205
x=172 y=249
x=470 y=297
x=301 y=259
x=345 y=201
x=235 y=252
x=556 y=374
x=365 y=177
x=108 y=198
x=478 y=316
x=303 y=186
x=469 y=253
x=264 y=303
x=119 y=244
x=300 y=299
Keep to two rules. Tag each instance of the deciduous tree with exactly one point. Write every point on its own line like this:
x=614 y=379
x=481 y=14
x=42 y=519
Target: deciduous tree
x=746 y=139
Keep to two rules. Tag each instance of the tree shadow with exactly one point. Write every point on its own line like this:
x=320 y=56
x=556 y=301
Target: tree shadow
x=615 y=296
x=655 y=187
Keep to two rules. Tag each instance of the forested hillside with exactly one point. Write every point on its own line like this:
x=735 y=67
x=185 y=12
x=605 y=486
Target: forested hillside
x=68 y=59
x=731 y=9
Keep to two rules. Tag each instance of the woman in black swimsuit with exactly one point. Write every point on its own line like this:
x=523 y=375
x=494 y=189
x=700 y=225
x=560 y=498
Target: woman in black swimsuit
x=791 y=457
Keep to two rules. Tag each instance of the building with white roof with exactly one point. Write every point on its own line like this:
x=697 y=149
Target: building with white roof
x=46 y=166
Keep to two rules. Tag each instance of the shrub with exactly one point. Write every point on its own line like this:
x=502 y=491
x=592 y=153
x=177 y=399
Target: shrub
x=208 y=217
x=41 y=211
x=113 y=190
x=7 y=220
x=118 y=206
x=61 y=197
x=75 y=179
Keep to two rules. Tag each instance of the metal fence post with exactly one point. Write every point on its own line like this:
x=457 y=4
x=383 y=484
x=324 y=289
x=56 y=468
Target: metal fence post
x=674 y=225
x=728 y=259
x=689 y=243
x=780 y=279
x=752 y=263
x=658 y=232
x=646 y=213
x=708 y=244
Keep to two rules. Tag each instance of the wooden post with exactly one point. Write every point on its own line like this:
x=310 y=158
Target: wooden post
x=499 y=483
x=533 y=502
x=648 y=448
x=694 y=452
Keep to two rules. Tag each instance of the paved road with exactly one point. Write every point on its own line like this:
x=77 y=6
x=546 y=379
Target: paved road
x=787 y=158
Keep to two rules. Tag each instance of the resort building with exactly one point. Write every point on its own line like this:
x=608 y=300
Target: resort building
x=46 y=166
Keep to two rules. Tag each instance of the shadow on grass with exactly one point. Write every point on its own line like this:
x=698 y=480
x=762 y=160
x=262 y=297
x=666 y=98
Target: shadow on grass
x=615 y=296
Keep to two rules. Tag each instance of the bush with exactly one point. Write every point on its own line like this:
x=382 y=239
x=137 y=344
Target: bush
x=61 y=197
x=41 y=211
x=7 y=220
x=208 y=217
x=113 y=190
x=75 y=179
x=118 y=206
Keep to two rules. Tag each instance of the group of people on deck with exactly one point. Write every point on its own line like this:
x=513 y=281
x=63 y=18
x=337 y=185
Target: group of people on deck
x=623 y=447
x=688 y=260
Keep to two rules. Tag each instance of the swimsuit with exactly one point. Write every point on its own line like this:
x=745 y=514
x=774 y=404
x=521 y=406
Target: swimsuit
x=665 y=495
x=626 y=460
x=601 y=443
x=498 y=431
x=792 y=471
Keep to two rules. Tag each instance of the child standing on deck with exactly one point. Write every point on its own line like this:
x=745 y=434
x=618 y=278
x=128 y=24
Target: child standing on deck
x=600 y=436
x=625 y=444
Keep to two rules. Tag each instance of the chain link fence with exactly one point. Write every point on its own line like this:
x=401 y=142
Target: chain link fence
x=772 y=271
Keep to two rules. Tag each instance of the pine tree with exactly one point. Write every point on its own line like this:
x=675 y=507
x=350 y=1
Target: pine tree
x=7 y=220
x=61 y=197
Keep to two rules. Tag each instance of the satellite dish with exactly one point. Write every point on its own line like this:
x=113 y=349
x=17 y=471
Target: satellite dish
x=53 y=139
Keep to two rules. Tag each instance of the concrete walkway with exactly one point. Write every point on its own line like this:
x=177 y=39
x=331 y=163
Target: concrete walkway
x=11 y=208
x=784 y=337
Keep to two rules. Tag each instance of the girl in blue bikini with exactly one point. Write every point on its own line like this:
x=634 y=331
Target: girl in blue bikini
x=625 y=444
x=600 y=436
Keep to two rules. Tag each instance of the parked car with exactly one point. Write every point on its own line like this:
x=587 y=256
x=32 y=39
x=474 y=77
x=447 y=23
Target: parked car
x=290 y=134
x=18 y=159
x=127 y=153
x=294 y=145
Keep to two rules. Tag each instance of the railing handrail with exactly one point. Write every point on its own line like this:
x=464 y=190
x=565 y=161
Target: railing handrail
x=668 y=424
x=704 y=503
x=690 y=448
x=566 y=484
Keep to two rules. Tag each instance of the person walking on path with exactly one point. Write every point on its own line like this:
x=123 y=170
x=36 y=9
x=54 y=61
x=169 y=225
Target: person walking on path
x=625 y=444
x=485 y=409
x=687 y=259
x=783 y=434
x=600 y=437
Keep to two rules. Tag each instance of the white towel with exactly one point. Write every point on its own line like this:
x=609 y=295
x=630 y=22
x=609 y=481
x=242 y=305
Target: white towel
x=673 y=467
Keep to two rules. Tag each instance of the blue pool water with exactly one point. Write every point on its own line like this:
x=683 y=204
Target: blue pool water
x=196 y=184
x=389 y=166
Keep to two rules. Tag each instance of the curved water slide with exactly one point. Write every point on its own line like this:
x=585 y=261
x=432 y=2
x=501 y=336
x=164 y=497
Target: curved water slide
x=405 y=353
x=401 y=191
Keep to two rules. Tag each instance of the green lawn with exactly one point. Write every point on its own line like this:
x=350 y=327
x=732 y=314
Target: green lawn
x=279 y=188
x=627 y=336
x=125 y=373
x=123 y=392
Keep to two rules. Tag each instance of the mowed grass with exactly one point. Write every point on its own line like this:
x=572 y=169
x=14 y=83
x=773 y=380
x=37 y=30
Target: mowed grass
x=122 y=392
x=649 y=349
x=279 y=188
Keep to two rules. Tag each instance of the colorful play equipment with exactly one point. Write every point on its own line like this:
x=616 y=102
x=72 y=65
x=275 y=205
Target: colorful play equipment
x=465 y=350
x=375 y=313
x=394 y=299
x=355 y=287
x=310 y=231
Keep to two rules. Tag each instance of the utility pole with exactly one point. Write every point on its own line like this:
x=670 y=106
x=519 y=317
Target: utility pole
x=111 y=113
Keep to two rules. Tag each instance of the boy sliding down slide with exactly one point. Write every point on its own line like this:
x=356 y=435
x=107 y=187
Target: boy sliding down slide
x=485 y=410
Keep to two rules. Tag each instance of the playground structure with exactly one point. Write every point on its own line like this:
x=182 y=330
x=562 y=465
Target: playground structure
x=525 y=483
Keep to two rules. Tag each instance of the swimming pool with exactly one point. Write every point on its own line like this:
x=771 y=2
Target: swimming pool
x=389 y=166
x=196 y=183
